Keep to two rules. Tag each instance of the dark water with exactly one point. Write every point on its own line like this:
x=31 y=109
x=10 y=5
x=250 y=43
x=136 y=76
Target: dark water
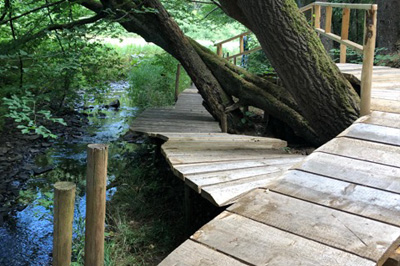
x=27 y=238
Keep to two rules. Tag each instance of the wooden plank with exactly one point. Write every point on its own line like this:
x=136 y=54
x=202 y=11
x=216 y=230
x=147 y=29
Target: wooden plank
x=363 y=201
x=385 y=105
x=180 y=157
x=375 y=133
x=223 y=194
x=353 y=171
x=364 y=237
x=216 y=145
x=393 y=95
x=259 y=244
x=198 y=181
x=197 y=168
x=382 y=119
x=363 y=150
x=195 y=254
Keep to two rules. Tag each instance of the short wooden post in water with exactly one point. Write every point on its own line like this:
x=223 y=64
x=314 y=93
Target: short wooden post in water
x=368 y=62
x=64 y=199
x=178 y=75
x=95 y=203
x=344 y=34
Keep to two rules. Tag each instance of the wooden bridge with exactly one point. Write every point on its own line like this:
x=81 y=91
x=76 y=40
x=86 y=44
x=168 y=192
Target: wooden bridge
x=338 y=206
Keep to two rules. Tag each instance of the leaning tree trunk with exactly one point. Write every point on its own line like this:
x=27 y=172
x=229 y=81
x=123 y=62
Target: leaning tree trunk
x=318 y=107
x=325 y=98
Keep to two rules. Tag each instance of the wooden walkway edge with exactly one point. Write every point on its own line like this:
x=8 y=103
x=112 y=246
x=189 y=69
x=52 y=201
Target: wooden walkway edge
x=339 y=206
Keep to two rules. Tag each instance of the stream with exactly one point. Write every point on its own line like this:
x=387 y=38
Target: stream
x=26 y=238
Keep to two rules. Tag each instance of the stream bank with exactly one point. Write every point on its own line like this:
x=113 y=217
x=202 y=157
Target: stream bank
x=26 y=231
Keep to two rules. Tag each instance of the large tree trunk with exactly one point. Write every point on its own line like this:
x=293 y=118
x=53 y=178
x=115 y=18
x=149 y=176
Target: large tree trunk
x=321 y=102
x=325 y=98
x=389 y=25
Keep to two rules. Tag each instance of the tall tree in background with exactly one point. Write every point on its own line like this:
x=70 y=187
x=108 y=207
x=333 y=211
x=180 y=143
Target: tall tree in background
x=389 y=25
x=317 y=102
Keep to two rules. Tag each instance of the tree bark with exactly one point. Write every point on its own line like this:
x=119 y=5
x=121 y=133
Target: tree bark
x=325 y=98
x=389 y=25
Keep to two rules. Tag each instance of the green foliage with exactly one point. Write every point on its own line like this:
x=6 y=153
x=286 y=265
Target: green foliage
x=152 y=80
x=24 y=112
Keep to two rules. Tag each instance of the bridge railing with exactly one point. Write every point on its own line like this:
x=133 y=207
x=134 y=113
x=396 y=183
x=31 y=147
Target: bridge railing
x=367 y=48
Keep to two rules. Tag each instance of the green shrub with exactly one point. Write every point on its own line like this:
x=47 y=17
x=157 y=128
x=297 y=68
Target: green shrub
x=152 y=80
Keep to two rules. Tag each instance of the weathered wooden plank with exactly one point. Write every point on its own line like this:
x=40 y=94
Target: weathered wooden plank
x=382 y=119
x=393 y=95
x=386 y=135
x=233 y=146
x=385 y=105
x=353 y=171
x=363 y=150
x=195 y=254
x=186 y=157
x=364 y=201
x=223 y=194
x=197 y=168
x=260 y=244
x=197 y=181
x=364 y=237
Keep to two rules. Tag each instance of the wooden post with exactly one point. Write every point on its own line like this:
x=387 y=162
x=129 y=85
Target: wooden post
x=219 y=50
x=234 y=60
x=241 y=45
x=188 y=210
x=344 y=34
x=178 y=75
x=64 y=200
x=317 y=17
x=368 y=62
x=95 y=203
x=328 y=20
x=224 y=123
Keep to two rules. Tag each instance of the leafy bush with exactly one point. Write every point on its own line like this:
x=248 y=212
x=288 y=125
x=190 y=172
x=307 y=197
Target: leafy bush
x=23 y=110
x=152 y=80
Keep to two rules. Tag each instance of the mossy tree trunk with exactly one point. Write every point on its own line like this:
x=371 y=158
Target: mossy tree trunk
x=325 y=98
x=318 y=102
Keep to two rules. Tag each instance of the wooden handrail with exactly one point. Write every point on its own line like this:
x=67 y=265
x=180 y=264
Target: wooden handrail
x=233 y=38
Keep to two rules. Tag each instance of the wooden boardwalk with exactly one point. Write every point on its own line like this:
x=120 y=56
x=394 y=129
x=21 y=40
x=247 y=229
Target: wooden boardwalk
x=219 y=166
x=339 y=206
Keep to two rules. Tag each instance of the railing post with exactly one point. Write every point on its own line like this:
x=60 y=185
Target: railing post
x=242 y=44
x=328 y=19
x=224 y=123
x=317 y=16
x=368 y=62
x=64 y=200
x=95 y=203
x=178 y=75
x=344 y=34
x=219 y=50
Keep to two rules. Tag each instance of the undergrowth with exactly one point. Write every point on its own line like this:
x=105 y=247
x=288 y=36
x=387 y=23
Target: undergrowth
x=145 y=216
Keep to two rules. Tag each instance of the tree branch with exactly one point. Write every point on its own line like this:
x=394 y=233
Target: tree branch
x=28 y=37
x=6 y=8
x=31 y=11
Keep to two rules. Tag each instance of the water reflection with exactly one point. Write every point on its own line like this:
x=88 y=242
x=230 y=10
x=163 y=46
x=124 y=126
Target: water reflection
x=26 y=239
